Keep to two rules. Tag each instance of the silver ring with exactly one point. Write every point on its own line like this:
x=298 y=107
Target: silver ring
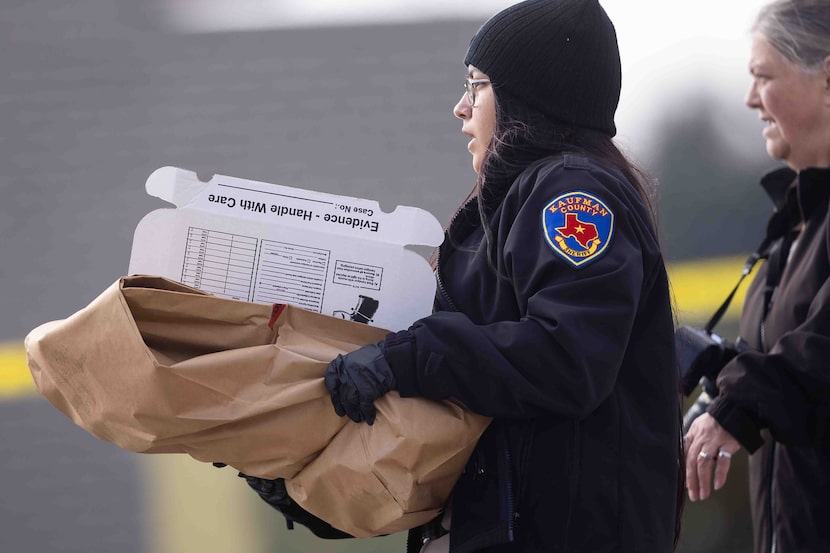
x=703 y=455
x=724 y=454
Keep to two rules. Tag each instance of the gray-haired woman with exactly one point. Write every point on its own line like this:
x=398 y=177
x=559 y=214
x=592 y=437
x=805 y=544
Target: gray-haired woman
x=774 y=399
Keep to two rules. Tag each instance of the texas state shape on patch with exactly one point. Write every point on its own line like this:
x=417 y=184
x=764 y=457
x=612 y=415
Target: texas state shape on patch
x=578 y=226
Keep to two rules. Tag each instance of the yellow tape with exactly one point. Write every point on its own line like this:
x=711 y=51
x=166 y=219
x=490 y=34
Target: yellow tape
x=15 y=378
x=699 y=287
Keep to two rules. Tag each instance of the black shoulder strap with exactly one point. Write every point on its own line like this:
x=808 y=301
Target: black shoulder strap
x=761 y=253
x=775 y=245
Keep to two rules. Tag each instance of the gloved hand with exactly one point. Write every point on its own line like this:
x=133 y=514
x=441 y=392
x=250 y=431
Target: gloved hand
x=357 y=379
x=273 y=492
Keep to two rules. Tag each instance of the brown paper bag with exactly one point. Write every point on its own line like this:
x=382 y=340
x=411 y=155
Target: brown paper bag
x=158 y=367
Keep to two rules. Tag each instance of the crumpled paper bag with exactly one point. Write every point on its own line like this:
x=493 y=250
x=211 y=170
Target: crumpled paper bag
x=155 y=366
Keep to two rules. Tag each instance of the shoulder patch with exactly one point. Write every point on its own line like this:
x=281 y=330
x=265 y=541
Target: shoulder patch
x=578 y=226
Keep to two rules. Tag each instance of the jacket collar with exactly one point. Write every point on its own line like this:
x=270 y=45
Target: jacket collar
x=805 y=190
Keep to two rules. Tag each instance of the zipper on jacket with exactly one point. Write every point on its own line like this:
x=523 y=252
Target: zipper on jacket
x=769 y=471
x=772 y=536
x=572 y=488
x=441 y=289
x=762 y=332
x=508 y=499
x=511 y=508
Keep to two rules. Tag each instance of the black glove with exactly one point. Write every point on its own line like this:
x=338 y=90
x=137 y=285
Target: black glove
x=273 y=492
x=357 y=379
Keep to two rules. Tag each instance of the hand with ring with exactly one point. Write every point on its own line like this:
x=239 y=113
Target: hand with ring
x=709 y=447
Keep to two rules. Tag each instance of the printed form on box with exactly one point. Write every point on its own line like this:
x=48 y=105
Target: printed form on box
x=268 y=243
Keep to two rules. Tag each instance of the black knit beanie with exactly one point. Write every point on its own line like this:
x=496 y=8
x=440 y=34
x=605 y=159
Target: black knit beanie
x=560 y=57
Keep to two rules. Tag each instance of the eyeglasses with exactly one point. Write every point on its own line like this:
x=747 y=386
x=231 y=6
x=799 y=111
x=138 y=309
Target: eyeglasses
x=470 y=87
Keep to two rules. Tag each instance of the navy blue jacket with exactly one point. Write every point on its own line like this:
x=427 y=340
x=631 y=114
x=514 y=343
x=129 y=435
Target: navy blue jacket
x=565 y=337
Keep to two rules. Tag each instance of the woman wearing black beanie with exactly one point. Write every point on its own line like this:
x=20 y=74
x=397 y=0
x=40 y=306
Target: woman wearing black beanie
x=553 y=313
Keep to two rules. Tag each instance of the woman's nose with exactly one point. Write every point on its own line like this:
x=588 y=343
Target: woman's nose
x=752 y=99
x=462 y=108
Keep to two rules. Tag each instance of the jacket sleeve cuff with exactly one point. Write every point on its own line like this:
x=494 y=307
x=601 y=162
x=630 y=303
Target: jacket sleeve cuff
x=399 y=348
x=737 y=422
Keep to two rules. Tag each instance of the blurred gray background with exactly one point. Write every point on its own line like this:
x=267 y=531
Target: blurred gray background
x=97 y=94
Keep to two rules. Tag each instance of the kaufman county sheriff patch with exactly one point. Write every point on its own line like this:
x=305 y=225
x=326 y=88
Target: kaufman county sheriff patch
x=578 y=226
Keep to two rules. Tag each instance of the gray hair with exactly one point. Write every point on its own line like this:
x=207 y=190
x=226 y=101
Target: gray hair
x=798 y=29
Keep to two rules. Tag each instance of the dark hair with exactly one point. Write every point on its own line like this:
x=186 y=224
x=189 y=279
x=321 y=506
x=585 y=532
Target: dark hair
x=523 y=136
